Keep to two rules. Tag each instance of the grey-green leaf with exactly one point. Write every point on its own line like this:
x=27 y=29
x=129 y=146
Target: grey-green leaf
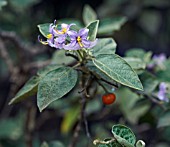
x=109 y=25
x=89 y=14
x=135 y=63
x=124 y=135
x=139 y=53
x=55 y=85
x=55 y=144
x=43 y=71
x=149 y=82
x=29 y=89
x=104 y=46
x=98 y=73
x=93 y=27
x=44 y=144
x=44 y=29
x=3 y=3
x=133 y=110
x=164 y=120
x=118 y=69
x=60 y=58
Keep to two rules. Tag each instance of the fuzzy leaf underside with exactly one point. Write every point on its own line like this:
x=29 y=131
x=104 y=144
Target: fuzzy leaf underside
x=55 y=85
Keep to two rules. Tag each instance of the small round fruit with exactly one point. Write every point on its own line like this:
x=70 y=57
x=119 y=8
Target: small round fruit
x=108 y=98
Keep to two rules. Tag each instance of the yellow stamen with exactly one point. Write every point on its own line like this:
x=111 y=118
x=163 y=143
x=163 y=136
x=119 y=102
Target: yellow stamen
x=63 y=31
x=44 y=42
x=49 y=36
x=79 y=41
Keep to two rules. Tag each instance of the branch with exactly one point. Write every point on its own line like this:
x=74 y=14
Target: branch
x=82 y=118
x=30 y=124
x=12 y=36
x=4 y=54
x=72 y=55
x=152 y=98
x=37 y=65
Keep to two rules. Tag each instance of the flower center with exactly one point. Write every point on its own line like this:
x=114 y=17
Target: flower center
x=79 y=40
x=49 y=36
x=64 y=30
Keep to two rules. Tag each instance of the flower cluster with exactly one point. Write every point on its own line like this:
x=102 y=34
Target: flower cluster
x=162 y=92
x=66 y=38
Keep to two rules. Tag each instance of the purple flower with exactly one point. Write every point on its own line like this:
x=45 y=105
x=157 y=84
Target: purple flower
x=157 y=61
x=59 y=42
x=66 y=38
x=50 y=37
x=61 y=35
x=162 y=92
x=79 y=40
x=64 y=29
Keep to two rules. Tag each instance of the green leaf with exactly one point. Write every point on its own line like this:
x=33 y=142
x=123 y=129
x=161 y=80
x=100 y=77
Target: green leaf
x=3 y=3
x=109 y=25
x=99 y=74
x=43 y=71
x=89 y=14
x=104 y=46
x=55 y=85
x=44 y=29
x=164 y=120
x=149 y=82
x=55 y=144
x=44 y=144
x=52 y=144
x=12 y=128
x=139 y=53
x=140 y=143
x=70 y=119
x=124 y=135
x=133 y=110
x=29 y=89
x=135 y=63
x=93 y=27
x=118 y=69
x=164 y=75
x=60 y=58
x=22 y=4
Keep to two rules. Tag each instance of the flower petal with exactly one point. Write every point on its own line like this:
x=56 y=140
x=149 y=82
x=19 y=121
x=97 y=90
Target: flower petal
x=86 y=43
x=72 y=24
x=64 y=25
x=51 y=27
x=83 y=33
x=72 y=46
x=50 y=43
x=72 y=35
x=93 y=43
x=61 y=39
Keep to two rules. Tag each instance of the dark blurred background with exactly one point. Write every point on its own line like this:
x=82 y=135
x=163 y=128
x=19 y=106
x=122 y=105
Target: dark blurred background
x=148 y=27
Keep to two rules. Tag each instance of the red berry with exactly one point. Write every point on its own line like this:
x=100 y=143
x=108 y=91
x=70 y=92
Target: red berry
x=108 y=98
